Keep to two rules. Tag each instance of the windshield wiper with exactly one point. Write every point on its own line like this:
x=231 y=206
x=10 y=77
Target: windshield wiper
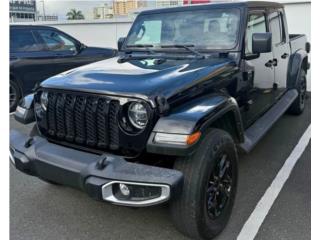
x=136 y=56
x=185 y=46
x=140 y=46
x=146 y=47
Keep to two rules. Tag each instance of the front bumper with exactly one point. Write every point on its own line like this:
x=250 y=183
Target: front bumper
x=92 y=173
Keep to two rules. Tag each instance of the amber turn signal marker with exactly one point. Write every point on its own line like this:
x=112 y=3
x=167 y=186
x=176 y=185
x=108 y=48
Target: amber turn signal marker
x=193 y=138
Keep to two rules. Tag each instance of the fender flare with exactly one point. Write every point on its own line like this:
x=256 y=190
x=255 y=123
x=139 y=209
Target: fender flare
x=196 y=115
x=298 y=61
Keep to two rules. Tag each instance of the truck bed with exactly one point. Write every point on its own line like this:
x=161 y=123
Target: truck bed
x=297 y=41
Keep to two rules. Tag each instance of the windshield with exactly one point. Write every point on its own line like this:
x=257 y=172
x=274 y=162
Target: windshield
x=203 y=29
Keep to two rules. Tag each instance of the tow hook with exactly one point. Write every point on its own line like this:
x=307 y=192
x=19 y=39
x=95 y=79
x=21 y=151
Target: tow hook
x=28 y=143
x=102 y=162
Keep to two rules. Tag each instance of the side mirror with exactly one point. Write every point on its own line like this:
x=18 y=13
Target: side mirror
x=79 y=47
x=261 y=43
x=121 y=42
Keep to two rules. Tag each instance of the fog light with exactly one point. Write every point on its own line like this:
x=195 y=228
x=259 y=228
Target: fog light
x=124 y=189
x=135 y=194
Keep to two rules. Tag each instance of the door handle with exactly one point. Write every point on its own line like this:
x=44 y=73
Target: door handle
x=272 y=63
x=284 y=56
x=269 y=64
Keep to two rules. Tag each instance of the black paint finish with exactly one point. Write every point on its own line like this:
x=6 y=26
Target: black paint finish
x=29 y=68
x=187 y=93
x=143 y=79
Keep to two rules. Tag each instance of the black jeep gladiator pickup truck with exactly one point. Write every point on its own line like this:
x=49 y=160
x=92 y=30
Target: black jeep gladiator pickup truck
x=164 y=120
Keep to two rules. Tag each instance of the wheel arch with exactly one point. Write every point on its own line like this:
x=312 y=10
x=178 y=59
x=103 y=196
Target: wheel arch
x=230 y=122
x=206 y=112
x=297 y=62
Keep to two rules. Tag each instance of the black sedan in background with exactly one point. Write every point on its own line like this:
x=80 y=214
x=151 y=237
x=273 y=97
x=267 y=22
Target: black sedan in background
x=39 y=52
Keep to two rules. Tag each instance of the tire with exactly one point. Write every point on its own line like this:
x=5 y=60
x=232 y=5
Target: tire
x=189 y=210
x=298 y=105
x=14 y=96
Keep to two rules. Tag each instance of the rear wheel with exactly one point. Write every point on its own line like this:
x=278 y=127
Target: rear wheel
x=14 y=96
x=210 y=181
x=298 y=105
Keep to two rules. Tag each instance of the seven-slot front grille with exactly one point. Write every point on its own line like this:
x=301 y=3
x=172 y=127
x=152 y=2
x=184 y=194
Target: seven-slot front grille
x=86 y=120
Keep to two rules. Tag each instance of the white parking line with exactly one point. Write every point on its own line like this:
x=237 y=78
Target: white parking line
x=12 y=113
x=252 y=225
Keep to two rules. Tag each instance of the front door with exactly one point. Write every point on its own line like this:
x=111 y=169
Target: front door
x=260 y=94
x=64 y=49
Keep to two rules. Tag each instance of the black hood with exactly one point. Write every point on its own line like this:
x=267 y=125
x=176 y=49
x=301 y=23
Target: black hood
x=141 y=78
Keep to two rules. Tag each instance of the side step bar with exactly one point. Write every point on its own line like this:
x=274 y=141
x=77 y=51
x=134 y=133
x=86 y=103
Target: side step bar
x=255 y=132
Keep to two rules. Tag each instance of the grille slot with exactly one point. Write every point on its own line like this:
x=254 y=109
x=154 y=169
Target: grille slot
x=85 y=120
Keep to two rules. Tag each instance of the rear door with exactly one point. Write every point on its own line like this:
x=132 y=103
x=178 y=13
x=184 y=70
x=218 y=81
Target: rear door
x=280 y=49
x=29 y=61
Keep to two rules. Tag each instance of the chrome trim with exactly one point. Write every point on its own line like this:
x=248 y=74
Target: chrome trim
x=107 y=195
x=11 y=158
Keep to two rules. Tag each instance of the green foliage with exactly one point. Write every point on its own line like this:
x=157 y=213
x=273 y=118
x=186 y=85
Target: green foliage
x=73 y=14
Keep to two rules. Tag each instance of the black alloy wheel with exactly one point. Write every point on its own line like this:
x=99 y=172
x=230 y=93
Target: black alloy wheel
x=219 y=187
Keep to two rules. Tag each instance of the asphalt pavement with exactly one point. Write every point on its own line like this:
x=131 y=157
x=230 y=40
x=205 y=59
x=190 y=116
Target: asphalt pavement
x=40 y=211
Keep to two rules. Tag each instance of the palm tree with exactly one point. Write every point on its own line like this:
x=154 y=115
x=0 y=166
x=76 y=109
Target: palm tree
x=73 y=14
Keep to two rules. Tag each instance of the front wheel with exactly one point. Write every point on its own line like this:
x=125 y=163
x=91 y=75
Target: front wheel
x=210 y=182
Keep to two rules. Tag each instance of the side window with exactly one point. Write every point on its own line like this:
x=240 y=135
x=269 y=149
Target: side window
x=276 y=28
x=256 y=24
x=56 y=41
x=22 y=40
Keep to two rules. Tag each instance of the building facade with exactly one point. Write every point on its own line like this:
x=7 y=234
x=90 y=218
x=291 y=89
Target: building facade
x=123 y=7
x=103 y=12
x=22 y=10
x=47 y=18
x=186 y=2
x=168 y=3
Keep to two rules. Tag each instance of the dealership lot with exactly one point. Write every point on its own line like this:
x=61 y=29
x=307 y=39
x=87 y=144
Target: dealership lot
x=42 y=211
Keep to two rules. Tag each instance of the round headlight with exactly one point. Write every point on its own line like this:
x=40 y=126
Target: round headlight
x=138 y=115
x=44 y=100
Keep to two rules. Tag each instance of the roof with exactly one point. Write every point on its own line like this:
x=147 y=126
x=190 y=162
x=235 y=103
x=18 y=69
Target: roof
x=229 y=4
x=25 y=26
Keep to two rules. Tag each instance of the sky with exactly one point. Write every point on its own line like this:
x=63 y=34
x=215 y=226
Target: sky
x=61 y=7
